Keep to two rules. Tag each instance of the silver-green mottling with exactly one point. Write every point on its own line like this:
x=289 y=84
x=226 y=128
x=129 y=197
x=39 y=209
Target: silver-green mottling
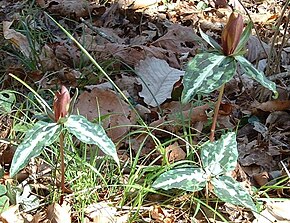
x=6 y=102
x=90 y=133
x=257 y=75
x=189 y=179
x=231 y=191
x=41 y=135
x=210 y=41
x=220 y=157
x=206 y=73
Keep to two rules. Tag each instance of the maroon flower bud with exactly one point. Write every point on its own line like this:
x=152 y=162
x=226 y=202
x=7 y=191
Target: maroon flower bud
x=61 y=103
x=231 y=34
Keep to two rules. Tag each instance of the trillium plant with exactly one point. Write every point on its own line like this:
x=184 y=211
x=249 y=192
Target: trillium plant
x=43 y=134
x=212 y=70
x=207 y=72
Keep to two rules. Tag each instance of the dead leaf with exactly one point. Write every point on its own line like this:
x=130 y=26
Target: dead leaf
x=276 y=211
x=157 y=79
x=160 y=215
x=68 y=8
x=17 y=39
x=103 y=213
x=137 y=4
x=175 y=153
x=255 y=50
x=99 y=103
x=58 y=214
x=12 y=215
x=276 y=105
x=132 y=55
x=179 y=39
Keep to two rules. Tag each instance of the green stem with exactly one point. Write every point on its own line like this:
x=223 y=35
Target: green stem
x=61 y=139
x=216 y=111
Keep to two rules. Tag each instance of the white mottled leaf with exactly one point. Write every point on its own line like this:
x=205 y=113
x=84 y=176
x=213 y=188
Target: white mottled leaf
x=257 y=75
x=91 y=133
x=231 y=191
x=189 y=179
x=220 y=156
x=210 y=40
x=41 y=135
x=205 y=73
x=7 y=98
x=157 y=79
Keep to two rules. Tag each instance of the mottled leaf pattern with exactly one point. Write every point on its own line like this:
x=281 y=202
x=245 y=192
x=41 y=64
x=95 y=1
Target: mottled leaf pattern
x=231 y=191
x=41 y=135
x=210 y=41
x=205 y=73
x=189 y=179
x=7 y=98
x=252 y=72
x=90 y=133
x=220 y=156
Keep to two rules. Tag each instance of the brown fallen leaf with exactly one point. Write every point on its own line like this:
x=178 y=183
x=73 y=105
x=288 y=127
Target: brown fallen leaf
x=101 y=102
x=103 y=213
x=58 y=214
x=17 y=39
x=12 y=215
x=161 y=215
x=175 y=153
x=276 y=105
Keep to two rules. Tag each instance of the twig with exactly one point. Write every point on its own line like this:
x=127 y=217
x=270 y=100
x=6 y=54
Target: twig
x=272 y=60
x=98 y=31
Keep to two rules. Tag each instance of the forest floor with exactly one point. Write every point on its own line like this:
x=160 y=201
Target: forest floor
x=132 y=85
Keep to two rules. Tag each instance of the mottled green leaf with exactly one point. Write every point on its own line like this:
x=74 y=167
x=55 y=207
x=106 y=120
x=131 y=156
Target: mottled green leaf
x=7 y=98
x=244 y=38
x=3 y=189
x=231 y=191
x=90 y=133
x=259 y=76
x=210 y=41
x=206 y=73
x=41 y=135
x=220 y=156
x=189 y=179
x=4 y=203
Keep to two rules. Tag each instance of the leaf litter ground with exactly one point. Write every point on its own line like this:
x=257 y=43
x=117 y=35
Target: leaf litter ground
x=144 y=47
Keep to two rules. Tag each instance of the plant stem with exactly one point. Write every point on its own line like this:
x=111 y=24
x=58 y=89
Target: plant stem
x=216 y=111
x=61 y=138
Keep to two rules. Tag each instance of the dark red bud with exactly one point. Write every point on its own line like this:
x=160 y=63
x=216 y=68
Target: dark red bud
x=61 y=103
x=231 y=34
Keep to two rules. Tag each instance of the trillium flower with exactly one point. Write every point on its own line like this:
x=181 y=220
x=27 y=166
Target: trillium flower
x=61 y=103
x=231 y=34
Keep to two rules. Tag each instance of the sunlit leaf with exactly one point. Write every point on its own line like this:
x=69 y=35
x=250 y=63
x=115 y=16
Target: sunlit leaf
x=189 y=179
x=206 y=73
x=231 y=191
x=259 y=76
x=90 y=133
x=220 y=156
x=41 y=135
